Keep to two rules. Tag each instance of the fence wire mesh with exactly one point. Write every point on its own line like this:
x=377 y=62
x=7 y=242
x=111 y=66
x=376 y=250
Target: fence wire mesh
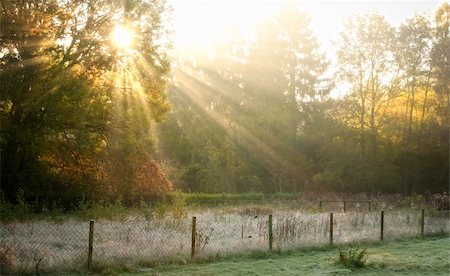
x=222 y=234
x=141 y=241
x=32 y=247
x=38 y=246
x=296 y=229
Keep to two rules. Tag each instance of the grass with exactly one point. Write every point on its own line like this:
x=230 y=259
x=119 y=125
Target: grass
x=430 y=256
x=134 y=241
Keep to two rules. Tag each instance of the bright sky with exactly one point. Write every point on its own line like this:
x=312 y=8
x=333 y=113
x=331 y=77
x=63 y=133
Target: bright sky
x=199 y=23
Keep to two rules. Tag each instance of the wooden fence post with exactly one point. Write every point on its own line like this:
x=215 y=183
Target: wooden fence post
x=320 y=205
x=270 y=233
x=422 y=223
x=331 y=228
x=91 y=243
x=370 y=206
x=382 y=226
x=344 y=205
x=194 y=231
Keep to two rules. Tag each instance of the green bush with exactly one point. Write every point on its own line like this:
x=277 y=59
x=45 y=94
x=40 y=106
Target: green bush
x=179 y=207
x=161 y=208
x=102 y=210
x=20 y=211
x=353 y=257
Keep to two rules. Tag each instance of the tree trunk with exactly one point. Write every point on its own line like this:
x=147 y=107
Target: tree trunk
x=413 y=88
x=424 y=109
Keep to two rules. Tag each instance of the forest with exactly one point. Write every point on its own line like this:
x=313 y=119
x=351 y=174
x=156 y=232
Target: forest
x=96 y=105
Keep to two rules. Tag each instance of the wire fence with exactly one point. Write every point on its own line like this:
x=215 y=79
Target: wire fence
x=33 y=247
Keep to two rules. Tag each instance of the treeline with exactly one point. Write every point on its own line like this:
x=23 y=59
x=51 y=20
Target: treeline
x=79 y=114
x=258 y=115
x=76 y=110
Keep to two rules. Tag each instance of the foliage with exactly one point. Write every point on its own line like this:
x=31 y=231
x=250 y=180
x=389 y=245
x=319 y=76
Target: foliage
x=354 y=257
x=19 y=211
x=73 y=122
x=79 y=115
x=242 y=125
x=161 y=208
x=441 y=201
x=102 y=210
x=178 y=206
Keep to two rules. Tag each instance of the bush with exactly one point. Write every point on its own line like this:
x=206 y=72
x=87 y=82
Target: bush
x=21 y=210
x=102 y=210
x=179 y=207
x=353 y=257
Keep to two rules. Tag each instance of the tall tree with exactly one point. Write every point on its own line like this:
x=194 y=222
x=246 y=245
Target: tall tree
x=59 y=101
x=413 y=58
x=441 y=66
x=365 y=63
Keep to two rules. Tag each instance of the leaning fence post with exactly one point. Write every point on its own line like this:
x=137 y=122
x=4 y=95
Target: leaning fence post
x=422 y=223
x=91 y=242
x=382 y=226
x=194 y=225
x=331 y=228
x=270 y=233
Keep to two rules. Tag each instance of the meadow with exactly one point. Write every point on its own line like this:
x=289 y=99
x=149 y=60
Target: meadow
x=429 y=256
x=166 y=236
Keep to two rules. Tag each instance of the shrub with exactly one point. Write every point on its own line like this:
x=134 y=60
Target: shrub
x=21 y=210
x=441 y=201
x=161 y=208
x=102 y=210
x=353 y=257
x=179 y=206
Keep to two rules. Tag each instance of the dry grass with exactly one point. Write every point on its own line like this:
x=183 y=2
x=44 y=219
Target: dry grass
x=44 y=245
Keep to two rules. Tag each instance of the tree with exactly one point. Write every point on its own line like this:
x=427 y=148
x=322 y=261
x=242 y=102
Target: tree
x=365 y=63
x=413 y=58
x=441 y=67
x=293 y=65
x=60 y=98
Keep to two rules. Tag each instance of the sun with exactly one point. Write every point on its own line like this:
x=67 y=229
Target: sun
x=122 y=37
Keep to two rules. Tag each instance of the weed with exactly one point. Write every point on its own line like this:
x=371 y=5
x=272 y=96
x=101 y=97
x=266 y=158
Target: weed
x=145 y=210
x=161 y=208
x=7 y=258
x=202 y=239
x=179 y=206
x=353 y=257
x=254 y=211
x=97 y=210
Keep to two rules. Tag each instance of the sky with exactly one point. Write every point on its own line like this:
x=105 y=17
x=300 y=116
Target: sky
x=199 y=23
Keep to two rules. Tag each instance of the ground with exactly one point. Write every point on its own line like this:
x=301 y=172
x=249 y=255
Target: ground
x=430 y=256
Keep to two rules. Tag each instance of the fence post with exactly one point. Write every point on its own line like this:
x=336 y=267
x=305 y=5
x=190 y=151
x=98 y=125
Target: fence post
x=91 y=242
x=270 y=233
x=370 y=206
x=422 y=223
x=382 y=226
x=320 y=204
x=194 y=226
x=344 y=205
x=331 y=228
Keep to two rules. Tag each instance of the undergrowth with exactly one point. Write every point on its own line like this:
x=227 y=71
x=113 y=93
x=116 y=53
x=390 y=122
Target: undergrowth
x=354 y=257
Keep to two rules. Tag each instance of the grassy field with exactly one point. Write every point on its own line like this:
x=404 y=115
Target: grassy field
x=430 y=256
x=48 y=246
